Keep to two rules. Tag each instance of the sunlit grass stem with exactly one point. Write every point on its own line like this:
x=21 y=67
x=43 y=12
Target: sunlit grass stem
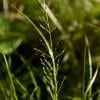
x=83 y=85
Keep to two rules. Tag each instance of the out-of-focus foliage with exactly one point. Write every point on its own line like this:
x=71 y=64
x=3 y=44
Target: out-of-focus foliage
x=77 y=17
x=9 y=40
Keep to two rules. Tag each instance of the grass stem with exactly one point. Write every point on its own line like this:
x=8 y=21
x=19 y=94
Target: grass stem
x=13 y=91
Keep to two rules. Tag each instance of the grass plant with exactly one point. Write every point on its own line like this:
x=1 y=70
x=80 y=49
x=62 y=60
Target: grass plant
x=48 y=58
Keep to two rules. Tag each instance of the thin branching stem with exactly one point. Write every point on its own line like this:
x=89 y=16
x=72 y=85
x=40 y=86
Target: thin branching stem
x=55 y=95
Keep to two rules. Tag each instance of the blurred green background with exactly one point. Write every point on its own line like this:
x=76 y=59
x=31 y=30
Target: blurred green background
x=79 y=18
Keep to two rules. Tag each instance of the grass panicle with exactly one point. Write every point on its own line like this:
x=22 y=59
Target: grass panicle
x=53 y=89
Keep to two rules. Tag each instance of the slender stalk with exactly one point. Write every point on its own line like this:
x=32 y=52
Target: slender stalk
x=90 y=78
x=22 y=87
x=55 y=79
x=90 y=66
x=83 y=87
x=13 y=91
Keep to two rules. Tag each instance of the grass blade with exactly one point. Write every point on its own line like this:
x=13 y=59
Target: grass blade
x=91 y=82
x=13 y=91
